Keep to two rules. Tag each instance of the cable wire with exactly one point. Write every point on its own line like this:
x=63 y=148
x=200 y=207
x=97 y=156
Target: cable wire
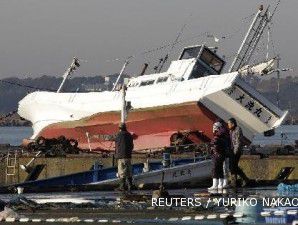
x=24 y=85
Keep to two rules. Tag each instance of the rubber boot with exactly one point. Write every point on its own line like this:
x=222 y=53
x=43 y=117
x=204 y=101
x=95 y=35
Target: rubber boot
x=214 y=185
x=122 y=186
x=245 y=182
x=225 y=184
x=130 y=185
x=220 y=184
x=245 y=179
x=234 y=180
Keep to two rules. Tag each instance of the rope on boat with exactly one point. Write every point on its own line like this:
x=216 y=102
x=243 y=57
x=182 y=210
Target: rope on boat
x=224 y=37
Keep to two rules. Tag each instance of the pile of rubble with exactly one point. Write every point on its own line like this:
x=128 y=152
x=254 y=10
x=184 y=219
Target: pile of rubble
x=54 y=147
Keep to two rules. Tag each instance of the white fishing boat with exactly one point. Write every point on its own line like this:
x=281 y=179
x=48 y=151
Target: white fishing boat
x=183 y=101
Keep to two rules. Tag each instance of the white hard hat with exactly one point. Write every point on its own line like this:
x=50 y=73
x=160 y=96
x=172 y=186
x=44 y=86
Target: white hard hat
x=217 y=127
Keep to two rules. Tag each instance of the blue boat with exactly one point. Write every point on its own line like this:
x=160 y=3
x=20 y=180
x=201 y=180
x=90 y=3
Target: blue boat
x=181 y=172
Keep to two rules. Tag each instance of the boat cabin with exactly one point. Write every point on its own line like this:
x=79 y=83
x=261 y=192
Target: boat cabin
x=207 y=61
x=194 y=62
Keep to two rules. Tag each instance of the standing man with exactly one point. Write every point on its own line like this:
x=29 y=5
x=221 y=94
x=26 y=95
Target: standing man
x=236 y=151
x=123 y=151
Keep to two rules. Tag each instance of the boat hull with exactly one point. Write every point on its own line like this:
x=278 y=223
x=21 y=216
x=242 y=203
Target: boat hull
x=153 y=128
x=190 y=175
x=159 y=114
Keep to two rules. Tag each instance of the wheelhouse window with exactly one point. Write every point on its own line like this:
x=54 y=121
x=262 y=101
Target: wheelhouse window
x=147 y=82
x=190 y=53
x=133 y=84
x=162 y=79
x=212 y=60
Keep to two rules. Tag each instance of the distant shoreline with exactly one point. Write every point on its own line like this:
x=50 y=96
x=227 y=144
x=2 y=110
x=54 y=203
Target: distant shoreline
x=13 y=125
x=14 y=120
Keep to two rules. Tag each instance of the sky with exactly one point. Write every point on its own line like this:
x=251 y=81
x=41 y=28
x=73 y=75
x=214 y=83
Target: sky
x=40 y=37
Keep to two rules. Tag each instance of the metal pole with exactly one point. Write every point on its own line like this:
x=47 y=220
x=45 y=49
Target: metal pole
x=32 y=160
x=120 y=74
x=144 y=69
x=268 y=41
x=123 y=107
x=245 y=38
x=64 y=79
x=278 y=79
x=68 y=72
x=88 y=139
x=113 y=160
x=26 y=167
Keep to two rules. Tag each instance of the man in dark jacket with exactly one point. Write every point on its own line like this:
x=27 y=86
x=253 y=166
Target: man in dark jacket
x=237 y=150
x=123 y=151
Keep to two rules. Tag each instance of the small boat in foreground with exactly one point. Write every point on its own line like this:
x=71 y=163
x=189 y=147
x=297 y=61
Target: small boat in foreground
x=190 y=172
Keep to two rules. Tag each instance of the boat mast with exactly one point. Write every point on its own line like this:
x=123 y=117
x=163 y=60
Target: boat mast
x=121 y=72
x=123 y=106
x=73 y=66
x=278 y=79
x=251 y=39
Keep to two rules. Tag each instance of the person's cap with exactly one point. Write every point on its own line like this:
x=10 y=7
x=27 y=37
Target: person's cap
x=220 y=121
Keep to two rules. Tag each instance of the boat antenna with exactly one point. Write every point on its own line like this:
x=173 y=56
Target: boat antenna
x=73 y=66
x=275 y=9
x=165 y=59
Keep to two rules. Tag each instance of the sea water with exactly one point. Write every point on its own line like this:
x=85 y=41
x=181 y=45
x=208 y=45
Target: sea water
x=14 y=135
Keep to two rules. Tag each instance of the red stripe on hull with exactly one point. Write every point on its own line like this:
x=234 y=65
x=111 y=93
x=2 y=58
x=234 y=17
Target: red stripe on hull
x=153 y=127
